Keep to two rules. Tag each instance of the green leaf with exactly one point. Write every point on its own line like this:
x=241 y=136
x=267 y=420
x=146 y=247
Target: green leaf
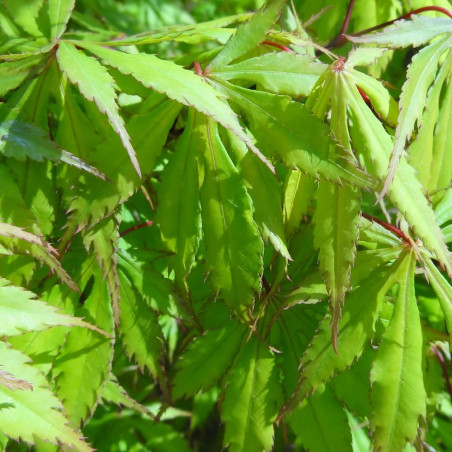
x=115 y=393
x=263 y=189
x=336 y=235
x=95 y=84
x=234 y=246
x=178 y=84
x=83 y=364
x=139 y=328
x=248 y=35
x=59 y=14
x=420 y=76
x=178 y=211
x=321 y=423
x=206 y=360
x=21 y=312
x=320 y=361
x=414 y=32
x=298 y=194
x=281 y=73
x=374 y=146
x=20 y=140
x=251 y=399
x=25 y=13
x=443 y=291
x=398 y=396
x=27 y=415
x=14 y=73
x=286 y=127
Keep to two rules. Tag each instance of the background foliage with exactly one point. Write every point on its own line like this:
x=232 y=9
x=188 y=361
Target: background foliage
x=216 y=233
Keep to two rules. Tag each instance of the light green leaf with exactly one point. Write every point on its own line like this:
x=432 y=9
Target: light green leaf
x=298 y=194
x=420 y=76
x=286 y=127
x=59 y=14
x=25 y=13
x=178 y=212
x=95 y=84
x=83 y=364
x=421 y=151
x=139 y=328
x=335 y=236
x=363 y=56
x=398 y=395
x=178 y=84
x=251 y=399
x=374 y=146
x=443 y=291
x=27 y=415
x=21 y=312
x=14 y=73
x=234 y=246
x=321 y=423
x=248 y=35
x=414 y=32
x=281 y=72
x=206 y=360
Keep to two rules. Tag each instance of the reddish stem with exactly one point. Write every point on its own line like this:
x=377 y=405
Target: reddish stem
x=395 y=230
x=277 y=45
x=197 y=67
x=347 y=17
x=363 y=95
x=135 y=227
x=405 y=16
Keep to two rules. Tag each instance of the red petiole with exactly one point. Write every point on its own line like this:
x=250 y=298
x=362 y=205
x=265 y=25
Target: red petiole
x=277 y=45
x=135 y=227
x=395 y=230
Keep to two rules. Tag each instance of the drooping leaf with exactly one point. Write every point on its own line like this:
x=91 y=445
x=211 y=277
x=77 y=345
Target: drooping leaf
x=178 y=84
x=178 y=212
x=234 y=246
x=206 y=360
x=263 y=189
x=420 y=76
x=374 y=145
x=95 y=84
x=336 y=235
x=286 y=127
x=20 y=139
x=280 y=73
x=321 y=423
x=414 y=32
x=298 y=193
x=398 y=395
x=14 y=73
x=27 y=415
x=139 y=328
x=83 y=364
x=21 y=312
x=248 y=35
x=251 y=399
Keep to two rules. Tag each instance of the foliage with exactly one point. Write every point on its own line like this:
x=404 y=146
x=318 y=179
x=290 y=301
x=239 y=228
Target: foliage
x=216 y=231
